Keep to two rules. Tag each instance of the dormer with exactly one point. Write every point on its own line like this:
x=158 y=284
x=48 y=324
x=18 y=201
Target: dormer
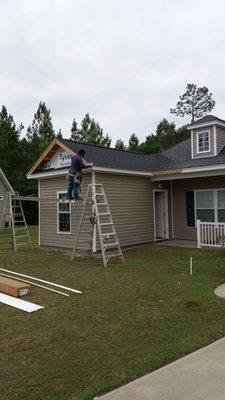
x=207 y=136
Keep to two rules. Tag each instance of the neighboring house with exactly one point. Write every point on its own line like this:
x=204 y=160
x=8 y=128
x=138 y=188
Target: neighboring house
x=152 y=197
x=5 y=187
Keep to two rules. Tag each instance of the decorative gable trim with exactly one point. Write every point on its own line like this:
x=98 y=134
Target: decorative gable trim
x=53 y=147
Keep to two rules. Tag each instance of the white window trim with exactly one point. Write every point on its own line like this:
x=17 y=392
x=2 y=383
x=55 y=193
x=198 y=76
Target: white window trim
x=197 y=138
x=58 y=231
x=215 y=202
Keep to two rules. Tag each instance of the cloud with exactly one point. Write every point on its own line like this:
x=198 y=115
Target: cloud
x=124 y=62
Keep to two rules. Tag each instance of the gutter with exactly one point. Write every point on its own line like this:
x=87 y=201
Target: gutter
x=64 y=172
x=204 y=124
x=185 y=173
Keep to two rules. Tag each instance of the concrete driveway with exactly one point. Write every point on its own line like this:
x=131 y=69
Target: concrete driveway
x=198 y=376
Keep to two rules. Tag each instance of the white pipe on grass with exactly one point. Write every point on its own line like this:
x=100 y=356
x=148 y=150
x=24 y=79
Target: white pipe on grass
x=41 y=280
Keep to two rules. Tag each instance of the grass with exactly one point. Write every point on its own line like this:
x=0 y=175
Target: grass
x=130 y=320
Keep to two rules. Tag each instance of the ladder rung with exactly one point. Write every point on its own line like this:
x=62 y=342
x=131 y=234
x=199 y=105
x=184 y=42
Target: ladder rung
x=106 y=223
x=105 y=235
x=21 y=244
x=107 y=213
x=21 y=236
x=18 y=221
x=99 y=194
x=101 y=204
x=19 y=229
x=113 y=255
x=115 y=244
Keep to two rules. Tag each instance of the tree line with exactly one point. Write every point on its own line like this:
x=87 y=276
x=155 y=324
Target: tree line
x=18 y=153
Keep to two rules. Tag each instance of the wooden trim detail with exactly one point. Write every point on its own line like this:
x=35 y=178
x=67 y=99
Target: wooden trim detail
x=51 y=149
x=168 y=172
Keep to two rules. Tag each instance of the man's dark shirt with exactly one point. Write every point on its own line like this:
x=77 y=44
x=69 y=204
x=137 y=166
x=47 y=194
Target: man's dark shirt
x=76 y=165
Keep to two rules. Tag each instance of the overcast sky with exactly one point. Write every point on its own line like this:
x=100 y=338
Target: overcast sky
x=125 y=62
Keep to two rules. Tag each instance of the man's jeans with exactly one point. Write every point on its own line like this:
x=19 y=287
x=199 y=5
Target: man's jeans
x=73 y=189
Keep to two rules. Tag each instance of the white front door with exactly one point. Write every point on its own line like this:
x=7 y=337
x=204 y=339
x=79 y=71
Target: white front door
x=161 y=218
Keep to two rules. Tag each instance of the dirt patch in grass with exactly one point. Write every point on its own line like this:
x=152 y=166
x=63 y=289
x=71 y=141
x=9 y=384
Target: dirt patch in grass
x=192 y=304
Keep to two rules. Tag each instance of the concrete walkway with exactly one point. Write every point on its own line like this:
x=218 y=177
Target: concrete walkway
x=220 y=291
x=198 y=376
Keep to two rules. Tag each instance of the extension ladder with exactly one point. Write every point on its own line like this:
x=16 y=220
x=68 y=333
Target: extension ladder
x=13 y=215
x=101 y=219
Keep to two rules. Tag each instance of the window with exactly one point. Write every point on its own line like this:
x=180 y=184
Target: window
x=203 y=142
x=1 y=197
x=64 y=214
x=210 y=205
x=205 y=205
x=221 y=205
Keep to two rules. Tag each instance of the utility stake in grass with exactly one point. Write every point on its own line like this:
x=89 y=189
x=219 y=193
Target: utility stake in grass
x=190 y=265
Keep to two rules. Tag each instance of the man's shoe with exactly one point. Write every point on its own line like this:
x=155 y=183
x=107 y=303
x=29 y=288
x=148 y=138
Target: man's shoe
x=78 y=199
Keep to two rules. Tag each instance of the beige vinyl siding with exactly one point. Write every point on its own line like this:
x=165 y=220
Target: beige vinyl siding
x=180 y=187
x=220 y=134
x=195 y=146
x=48 y=214
x=131 y=203
x=3 y=192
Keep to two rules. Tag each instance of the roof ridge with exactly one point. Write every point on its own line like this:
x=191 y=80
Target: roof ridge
x=108 y=148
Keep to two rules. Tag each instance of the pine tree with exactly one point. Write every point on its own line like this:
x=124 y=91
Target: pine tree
x=150 y=145
x=133 y=143
x=181 y=134
x=40 y=133
x=195 y=102
x=165 y=134
x=90 y=132
x=75 y=133
x=120 y=145
x=12 y=157
x=59 y=134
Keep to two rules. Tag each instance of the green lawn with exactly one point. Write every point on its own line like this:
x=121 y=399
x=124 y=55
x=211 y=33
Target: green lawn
x=130 y=320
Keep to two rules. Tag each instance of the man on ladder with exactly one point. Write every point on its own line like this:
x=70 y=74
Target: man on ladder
x=75 y=175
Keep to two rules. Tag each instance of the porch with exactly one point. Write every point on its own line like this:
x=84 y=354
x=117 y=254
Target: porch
x=190 y=212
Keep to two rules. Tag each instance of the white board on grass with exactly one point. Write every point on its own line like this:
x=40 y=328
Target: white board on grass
x=18 y=303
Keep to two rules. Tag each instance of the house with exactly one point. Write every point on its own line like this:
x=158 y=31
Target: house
x=5 y=187
x=178 y=194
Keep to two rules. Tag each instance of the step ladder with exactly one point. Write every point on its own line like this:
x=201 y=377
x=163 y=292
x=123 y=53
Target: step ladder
x=102 y=222
x=13 y=216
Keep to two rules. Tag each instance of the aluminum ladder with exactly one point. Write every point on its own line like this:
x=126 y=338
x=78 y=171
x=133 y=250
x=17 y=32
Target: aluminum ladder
x=13 y=215
x=102 y=221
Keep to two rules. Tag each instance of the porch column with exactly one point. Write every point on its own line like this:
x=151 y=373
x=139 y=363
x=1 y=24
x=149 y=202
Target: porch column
x=198 y=234
x=171 y=209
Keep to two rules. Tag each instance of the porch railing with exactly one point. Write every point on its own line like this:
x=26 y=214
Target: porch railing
x=210 y=234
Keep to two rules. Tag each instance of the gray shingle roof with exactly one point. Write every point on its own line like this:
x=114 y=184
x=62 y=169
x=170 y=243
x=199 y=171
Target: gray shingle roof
x=208 y=118
x=178 y=156
x=112 y=158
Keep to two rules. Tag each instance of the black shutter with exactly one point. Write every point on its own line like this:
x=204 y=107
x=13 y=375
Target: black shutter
x=190 y=208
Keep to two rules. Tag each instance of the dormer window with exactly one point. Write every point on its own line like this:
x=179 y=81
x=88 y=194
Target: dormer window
x=203 y=142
